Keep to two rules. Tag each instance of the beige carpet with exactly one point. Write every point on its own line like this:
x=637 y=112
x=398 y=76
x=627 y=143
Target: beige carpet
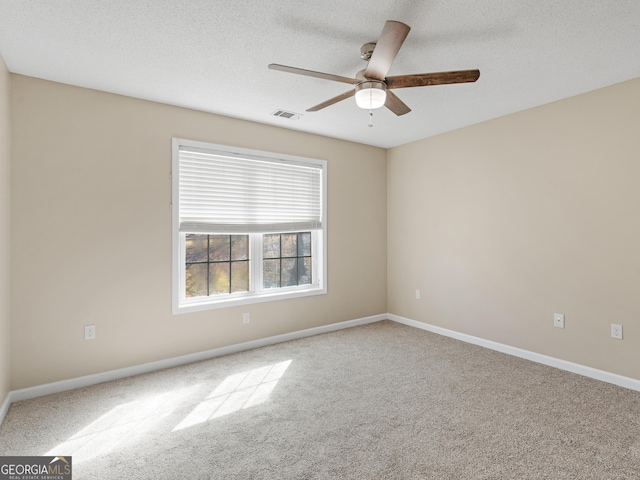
x=382 y=401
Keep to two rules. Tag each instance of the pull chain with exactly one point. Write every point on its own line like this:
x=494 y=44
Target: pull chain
x=370 y=118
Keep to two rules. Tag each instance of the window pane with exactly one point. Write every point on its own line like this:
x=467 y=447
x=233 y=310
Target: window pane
x=239 y=247
x=304 y=271
x=289 y=244
x=219 y=278
x=271 y=273
x=219 y=248
x=196 y=248
x=195 y=277
x=304 y=244
x=289 y=272
x=271 y=246
x=239 y=277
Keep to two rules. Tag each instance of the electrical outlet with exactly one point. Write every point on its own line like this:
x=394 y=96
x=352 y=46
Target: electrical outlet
x=89 y=332
x=616 y=331
x=558 y=320
x=418 y=294
x=246 y=318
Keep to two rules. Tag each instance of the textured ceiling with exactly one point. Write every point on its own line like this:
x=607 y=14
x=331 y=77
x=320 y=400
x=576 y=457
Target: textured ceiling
x=212 y=55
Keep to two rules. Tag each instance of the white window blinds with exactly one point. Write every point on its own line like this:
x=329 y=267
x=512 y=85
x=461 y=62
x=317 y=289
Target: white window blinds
x=221 y=192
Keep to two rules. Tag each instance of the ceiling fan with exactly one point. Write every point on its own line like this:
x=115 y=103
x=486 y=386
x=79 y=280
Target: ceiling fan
x=372 y=88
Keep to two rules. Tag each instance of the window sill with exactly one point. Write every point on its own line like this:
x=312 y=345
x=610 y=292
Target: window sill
x=210 y=304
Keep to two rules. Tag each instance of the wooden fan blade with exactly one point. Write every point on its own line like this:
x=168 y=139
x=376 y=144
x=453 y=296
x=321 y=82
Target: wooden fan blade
x=396 y=105
x=439 y=78
x=333 y=100
x=387 y=47
x=311 y=73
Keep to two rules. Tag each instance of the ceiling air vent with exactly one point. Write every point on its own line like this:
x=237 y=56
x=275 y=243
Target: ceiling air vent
x=286 y=114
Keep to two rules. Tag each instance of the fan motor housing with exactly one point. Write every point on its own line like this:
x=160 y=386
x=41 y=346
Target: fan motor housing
x=374 y=84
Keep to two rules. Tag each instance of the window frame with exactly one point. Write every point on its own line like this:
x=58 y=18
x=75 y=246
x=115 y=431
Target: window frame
x=257 y=294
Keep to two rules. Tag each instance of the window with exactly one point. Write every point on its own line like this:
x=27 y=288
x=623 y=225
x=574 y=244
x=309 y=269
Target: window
x=248 y=226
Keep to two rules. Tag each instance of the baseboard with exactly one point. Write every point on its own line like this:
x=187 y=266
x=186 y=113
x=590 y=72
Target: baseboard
x=594 y=373
x=88 y=380
x=4 y=408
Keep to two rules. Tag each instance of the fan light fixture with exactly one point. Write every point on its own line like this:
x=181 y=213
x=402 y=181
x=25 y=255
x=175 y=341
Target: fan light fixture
x=371 y=94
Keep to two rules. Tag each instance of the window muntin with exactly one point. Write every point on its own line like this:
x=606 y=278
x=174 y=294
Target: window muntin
x=291 y=193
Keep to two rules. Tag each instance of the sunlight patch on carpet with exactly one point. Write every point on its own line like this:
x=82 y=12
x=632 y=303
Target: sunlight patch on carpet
x=236 y=392
x=121 y=424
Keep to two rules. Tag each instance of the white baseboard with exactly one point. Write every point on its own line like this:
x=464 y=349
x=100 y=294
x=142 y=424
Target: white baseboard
x=4 y=408
x=88 y=380
x=594 y=373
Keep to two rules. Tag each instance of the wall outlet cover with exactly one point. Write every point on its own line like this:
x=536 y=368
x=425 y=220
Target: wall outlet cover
x=558 y=320
x=89 y=332
x=616 y=331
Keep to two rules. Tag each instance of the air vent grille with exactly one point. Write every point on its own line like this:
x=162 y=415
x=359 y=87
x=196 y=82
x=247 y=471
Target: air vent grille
x=286 y=114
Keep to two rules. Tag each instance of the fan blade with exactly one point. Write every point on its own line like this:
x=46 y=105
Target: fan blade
x=439 y=78
x=333 y=100
x=311 y=73
x=396 y=105
x=387 y=47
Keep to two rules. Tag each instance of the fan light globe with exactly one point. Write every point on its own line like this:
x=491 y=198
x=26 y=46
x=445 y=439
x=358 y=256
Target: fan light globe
x=371 y=94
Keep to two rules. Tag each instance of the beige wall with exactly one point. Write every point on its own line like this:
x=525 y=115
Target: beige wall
x=4 y=231
x=91 y=233
x=499 y=225
x=502 y=224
